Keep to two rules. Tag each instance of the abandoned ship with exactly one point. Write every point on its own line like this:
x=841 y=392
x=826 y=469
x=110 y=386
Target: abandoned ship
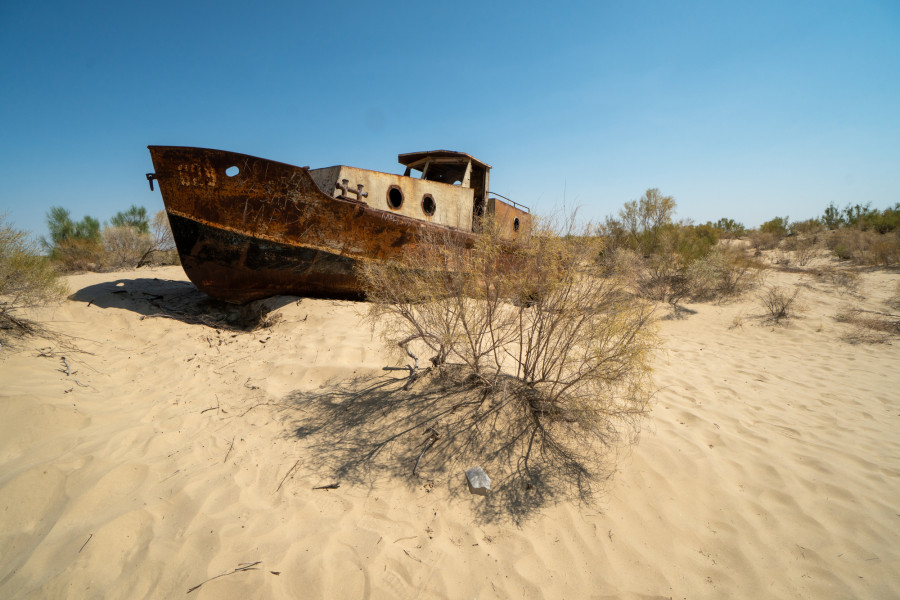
x=247 y=228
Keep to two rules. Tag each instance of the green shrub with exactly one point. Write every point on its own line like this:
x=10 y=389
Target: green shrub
x=135 y=217
x=833 y=218
x=643 y=221
x=777 y=227
x=808 y=227
x=729 y=228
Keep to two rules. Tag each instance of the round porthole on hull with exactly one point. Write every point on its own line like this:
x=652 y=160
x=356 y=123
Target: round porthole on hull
x=428 y=205
x=232 y=171
x=394 y=197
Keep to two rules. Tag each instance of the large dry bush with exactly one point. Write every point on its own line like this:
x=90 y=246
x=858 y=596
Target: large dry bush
x=726 y=272
x=534 y=322
x=130 y=246
x=690 y=265
x=762 y=240
x=125 y=246
x=79 y=255
x=804 y=247
x=27 y=279
x=866 y=247
x=671 y=261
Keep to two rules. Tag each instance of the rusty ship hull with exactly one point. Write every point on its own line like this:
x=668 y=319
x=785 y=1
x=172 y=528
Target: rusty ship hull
x=247 y=228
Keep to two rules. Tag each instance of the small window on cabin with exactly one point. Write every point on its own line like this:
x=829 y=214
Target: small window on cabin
x=516 y=224
x=428 y=204
x=395 y=197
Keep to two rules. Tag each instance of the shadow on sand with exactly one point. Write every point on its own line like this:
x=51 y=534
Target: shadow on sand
x=360 y=430
x=179 y=300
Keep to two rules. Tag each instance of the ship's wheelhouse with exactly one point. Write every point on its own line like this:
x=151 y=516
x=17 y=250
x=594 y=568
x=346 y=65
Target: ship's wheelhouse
x=459 y=168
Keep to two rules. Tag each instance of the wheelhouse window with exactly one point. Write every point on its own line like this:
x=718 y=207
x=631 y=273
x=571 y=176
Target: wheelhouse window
x=453 y=173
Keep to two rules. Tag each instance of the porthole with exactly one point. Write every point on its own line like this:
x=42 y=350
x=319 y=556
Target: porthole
x=395 y=197
x=516 y=224
x=428 y=205
x=232 y=171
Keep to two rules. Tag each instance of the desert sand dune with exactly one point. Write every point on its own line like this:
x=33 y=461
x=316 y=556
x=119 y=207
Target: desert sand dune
x=152 y=452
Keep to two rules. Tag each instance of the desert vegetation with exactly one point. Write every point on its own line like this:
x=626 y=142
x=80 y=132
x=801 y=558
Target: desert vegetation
x=673 y=261
x=130 y=240
x=538 y=329
x=27 y=279
x=779 y=303
x=857 y=234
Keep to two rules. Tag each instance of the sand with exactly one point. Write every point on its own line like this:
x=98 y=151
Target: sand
x=168 y=453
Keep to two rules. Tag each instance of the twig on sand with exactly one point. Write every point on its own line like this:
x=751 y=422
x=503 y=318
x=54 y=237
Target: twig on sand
x=330 y=486
x=230 y=446
x=286 y=475
x=433 y=436
x=411 y=556
x=232 y=362
x=85 y=543
x=66 y=364
x=240 y=567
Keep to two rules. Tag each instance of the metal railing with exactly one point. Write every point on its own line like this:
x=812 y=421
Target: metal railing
x=513 y=202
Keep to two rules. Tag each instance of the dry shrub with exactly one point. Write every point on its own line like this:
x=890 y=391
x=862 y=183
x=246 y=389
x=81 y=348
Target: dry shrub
x=845 y=281
x=762 y=240
x=723 y=273
x=779 y=303
x=809 y=227
x=894 y=300
x=668 y=278
x=869 y=326
x=79 y=255
x=726 y=272
x=674 y=271
x=537 y=323
x=805 y=249
x=27 y=279
x=125 y=247
x=866 y=247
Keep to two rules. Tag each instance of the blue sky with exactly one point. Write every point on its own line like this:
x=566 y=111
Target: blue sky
x=745 y=110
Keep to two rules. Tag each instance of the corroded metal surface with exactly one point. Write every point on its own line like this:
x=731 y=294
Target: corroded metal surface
x=248 y=228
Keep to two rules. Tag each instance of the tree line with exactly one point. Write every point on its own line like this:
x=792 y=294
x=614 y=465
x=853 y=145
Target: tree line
x=129 y=240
